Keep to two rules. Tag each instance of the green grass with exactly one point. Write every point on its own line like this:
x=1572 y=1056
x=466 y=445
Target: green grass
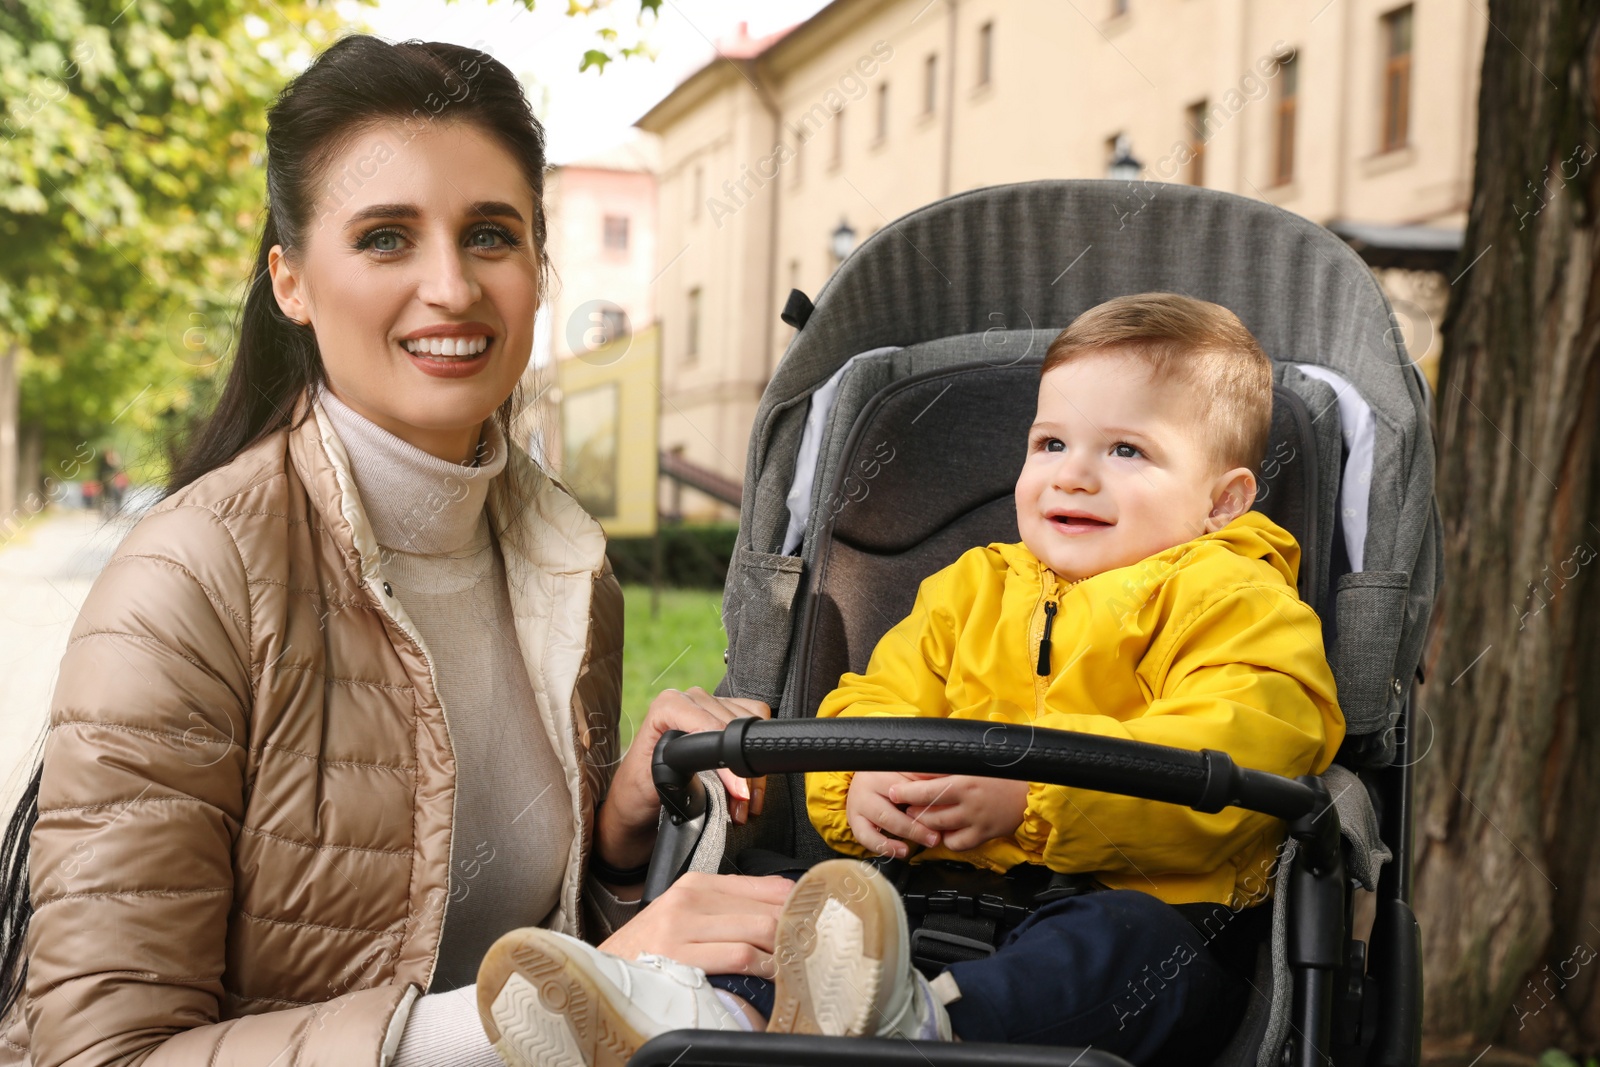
x=679 y=648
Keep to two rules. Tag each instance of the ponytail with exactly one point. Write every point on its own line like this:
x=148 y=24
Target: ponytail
x=275 y=360
x=16 y=905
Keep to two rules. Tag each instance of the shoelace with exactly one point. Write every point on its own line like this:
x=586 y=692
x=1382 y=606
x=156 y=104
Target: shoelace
x=693 y=977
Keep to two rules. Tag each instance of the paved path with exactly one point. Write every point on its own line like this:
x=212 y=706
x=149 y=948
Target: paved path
x=45 y=574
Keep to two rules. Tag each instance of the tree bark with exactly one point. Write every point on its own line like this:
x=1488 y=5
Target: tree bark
x=10 y=396
x=1508 y=874
x=30 y=458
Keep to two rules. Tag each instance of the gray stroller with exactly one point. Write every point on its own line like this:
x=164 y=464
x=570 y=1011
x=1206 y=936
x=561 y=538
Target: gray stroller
x=887 y=444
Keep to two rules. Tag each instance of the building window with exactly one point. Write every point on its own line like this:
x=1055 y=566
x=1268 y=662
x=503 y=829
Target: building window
x=613 y=323
x=699 y=192
x=691 y=341
x=1283 y=133
x=930 y=85
x=985 y=53
x=1197 y=122
x=676 y=509
x=616 y=233
x=838 y=140
x=1396 y=78
x=883 y=111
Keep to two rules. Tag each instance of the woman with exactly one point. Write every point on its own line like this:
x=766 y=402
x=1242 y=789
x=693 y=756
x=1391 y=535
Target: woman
x=343 y=708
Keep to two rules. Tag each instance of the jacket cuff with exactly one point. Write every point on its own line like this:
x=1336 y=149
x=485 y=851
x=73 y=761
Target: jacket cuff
x=1034 y=833
x=826 y=792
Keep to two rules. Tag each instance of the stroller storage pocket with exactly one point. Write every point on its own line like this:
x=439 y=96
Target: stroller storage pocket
x=1371 y=611
x=758 y=607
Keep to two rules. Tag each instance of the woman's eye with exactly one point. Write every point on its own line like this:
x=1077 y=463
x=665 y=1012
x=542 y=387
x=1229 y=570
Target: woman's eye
x=383 y=241
x=1123 y=450
x=500 y=238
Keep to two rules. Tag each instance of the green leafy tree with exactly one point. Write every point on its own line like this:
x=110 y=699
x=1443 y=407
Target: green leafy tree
x=129 y=192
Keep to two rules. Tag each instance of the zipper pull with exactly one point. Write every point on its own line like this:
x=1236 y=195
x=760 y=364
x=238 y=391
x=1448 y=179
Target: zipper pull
x=1044 y=641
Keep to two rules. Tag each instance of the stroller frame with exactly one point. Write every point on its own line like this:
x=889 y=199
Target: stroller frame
x=1344 y=1005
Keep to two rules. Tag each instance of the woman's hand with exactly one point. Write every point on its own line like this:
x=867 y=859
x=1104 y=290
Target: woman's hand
x=721 y=923
x=963 y=810
x=625 y=833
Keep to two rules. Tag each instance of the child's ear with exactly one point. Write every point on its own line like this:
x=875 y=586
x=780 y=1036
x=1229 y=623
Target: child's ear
x=1231 y=497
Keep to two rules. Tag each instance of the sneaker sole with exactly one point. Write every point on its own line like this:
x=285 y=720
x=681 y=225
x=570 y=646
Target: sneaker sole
x=541 y=1008
x=832 y=939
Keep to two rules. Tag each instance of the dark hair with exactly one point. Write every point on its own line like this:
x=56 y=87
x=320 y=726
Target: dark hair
x=355 y=84
x=16 y=907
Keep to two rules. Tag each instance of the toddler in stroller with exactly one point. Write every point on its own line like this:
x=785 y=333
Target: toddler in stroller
x=1145 y=601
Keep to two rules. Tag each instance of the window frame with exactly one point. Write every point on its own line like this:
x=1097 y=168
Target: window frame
x=1198 y=135
x=1285 y=124
x=985 y=55
x=694 y=307
x=1394 y=119
x=607 y=230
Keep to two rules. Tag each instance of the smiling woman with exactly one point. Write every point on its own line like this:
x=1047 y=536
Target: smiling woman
x=385 y=290
x=344 y=707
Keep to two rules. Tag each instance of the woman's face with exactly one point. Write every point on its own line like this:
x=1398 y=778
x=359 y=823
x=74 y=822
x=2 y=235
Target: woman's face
x=419 y=275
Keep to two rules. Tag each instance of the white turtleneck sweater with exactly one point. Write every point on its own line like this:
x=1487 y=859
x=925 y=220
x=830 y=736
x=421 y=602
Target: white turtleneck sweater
x=508 y=852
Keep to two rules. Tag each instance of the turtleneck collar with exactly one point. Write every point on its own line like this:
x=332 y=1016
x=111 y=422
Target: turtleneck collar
x=415 y=501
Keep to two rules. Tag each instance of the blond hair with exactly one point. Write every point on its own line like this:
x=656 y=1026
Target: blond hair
x=1201 y=344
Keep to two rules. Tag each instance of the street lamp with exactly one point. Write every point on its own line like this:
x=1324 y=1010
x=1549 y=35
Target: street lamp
x=1123 y=166
x=844 y=239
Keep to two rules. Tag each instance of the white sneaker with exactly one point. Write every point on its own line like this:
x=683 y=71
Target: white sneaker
x=844 y=961
x=549 y=1000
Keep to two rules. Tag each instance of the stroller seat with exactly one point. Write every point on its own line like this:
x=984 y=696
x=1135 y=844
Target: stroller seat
x=889 y=442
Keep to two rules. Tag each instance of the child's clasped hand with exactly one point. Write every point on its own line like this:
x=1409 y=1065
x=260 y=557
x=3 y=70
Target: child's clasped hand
x=890 y=810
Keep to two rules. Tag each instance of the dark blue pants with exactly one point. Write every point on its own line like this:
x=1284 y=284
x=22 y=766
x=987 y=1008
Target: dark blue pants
x=1118 y=970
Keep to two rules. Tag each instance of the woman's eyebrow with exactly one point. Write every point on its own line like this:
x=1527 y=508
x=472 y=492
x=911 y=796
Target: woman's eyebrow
x=483 y=208
x=383 y=211
x=496 y=209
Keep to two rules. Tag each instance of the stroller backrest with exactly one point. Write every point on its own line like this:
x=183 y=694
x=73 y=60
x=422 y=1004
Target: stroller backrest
x=982 y=281
x=926 y=471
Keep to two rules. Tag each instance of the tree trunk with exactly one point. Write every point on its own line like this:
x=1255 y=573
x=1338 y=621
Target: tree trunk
x=10 y=395
x=1508 y=875
x=30 y=453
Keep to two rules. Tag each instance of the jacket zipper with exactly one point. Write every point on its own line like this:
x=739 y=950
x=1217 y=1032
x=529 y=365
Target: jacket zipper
x=1043 y=668
x=1050 y=593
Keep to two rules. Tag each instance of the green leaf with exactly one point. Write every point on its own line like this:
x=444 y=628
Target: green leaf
x=594 y=58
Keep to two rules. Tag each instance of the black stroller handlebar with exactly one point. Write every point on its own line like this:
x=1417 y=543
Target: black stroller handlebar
x=1207 y=781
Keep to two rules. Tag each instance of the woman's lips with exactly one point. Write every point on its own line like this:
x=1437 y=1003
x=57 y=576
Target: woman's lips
x=451 y=366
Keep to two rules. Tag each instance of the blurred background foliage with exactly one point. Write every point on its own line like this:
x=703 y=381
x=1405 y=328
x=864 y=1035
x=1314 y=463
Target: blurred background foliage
x=131 y=194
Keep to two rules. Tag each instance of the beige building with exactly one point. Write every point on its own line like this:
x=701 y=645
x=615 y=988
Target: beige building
x=1358 y=114
x=603 y=258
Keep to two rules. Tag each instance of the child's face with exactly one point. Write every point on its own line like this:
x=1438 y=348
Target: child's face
x=1117 y=470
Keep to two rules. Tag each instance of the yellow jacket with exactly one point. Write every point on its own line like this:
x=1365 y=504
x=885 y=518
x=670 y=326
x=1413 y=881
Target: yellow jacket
x=1204 y=645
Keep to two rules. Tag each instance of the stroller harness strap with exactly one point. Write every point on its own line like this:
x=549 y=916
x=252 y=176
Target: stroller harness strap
x=961 y=913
